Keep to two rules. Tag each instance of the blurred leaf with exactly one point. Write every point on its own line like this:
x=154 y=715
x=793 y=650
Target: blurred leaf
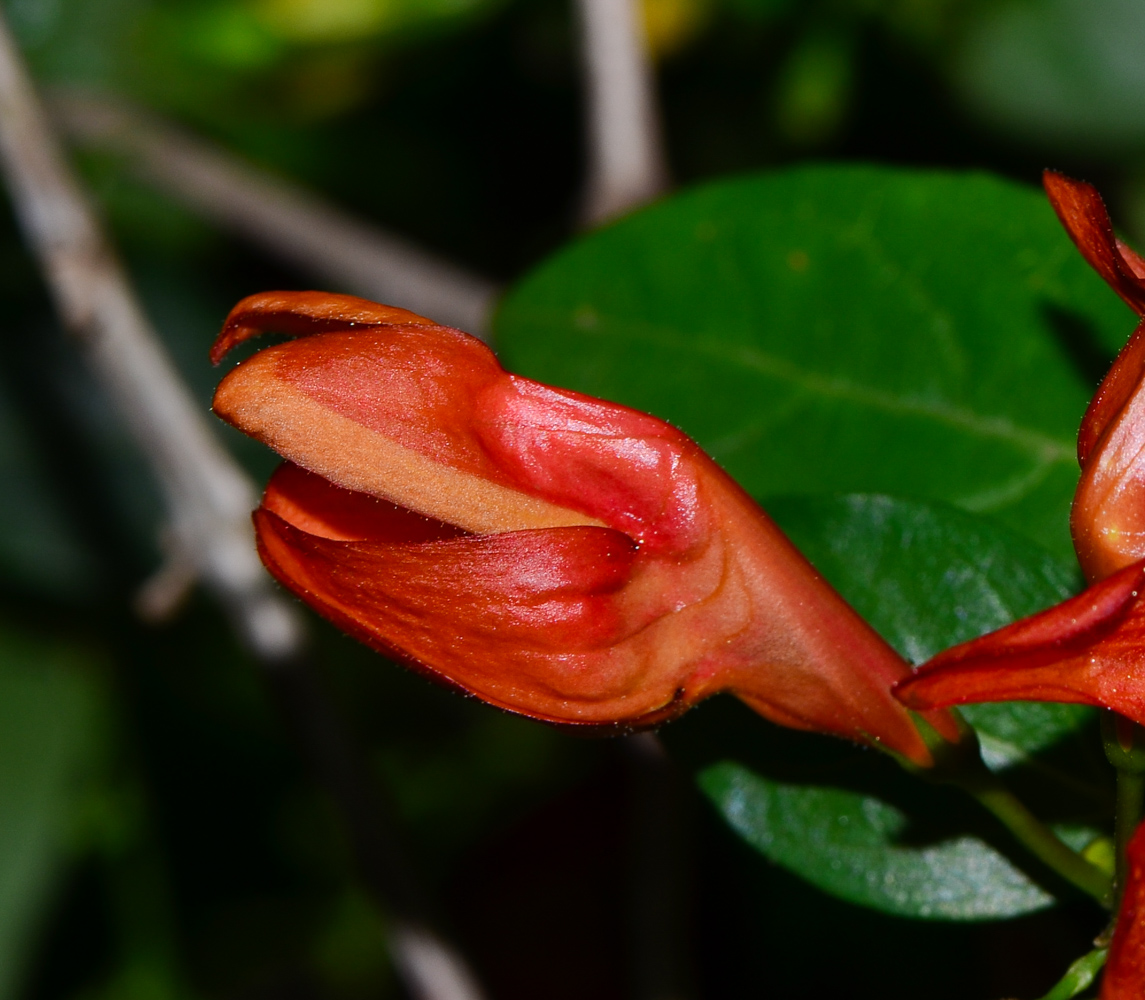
x=815 y=87
x=231 y=61
x=350 y=952
x=39 y=548
x=670 y=25
x=325 y=21
x=453 y=790
x=47 y=737
x=841 y=328
x=1060 y=71
x=851 y=846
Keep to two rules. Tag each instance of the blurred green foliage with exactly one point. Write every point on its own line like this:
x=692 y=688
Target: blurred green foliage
x=166 y=842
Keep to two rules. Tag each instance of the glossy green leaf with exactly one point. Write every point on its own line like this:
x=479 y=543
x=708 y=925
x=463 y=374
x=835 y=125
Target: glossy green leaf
x=926 y=576
x=841 y=329
x=47 y=737
x=849 y=844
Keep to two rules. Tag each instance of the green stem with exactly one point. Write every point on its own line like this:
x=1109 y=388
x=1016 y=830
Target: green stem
x=1038 y=838
x=960 y=763
x=1078 y=976
x=1124 y=743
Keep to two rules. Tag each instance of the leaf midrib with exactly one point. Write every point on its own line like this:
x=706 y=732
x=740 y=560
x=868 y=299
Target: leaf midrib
x=1042 y=447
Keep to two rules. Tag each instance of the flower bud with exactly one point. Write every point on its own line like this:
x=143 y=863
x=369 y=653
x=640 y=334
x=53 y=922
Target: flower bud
x=1108 y=516
x=555 y=555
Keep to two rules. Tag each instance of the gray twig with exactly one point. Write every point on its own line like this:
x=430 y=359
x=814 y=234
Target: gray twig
x=627 y=164
x=208 y=499
x=287 y=220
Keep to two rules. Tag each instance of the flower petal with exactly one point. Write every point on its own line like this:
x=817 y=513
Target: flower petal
x=391 y=412
x=557 y=555
x=1108 y=515
x=1085 y=218
x=1119 y=384
x=531 y=621
x=1124 y=977
x=1089 y=649
x=303 y=313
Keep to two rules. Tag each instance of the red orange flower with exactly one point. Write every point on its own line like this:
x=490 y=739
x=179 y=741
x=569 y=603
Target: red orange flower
x=550 y=553
x=1108 y=517
x=1125 y=968
x=1090 y=649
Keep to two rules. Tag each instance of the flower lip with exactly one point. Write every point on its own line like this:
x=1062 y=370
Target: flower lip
x=320 y=508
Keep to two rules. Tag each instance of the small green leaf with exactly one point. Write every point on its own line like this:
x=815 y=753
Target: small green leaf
x=841 y=329
x=851 y=846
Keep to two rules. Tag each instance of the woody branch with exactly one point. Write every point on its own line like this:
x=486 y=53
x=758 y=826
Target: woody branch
x=208 y=499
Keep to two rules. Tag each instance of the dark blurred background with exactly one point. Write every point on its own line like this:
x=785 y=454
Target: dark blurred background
x=159 y=835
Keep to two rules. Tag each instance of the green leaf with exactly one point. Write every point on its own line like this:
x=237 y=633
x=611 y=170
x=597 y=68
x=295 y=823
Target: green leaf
x=926 y=576
x=47 y=737
x=849 y=844
x=841 y=329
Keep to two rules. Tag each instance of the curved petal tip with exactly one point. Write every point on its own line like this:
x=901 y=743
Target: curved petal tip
x=300 y=314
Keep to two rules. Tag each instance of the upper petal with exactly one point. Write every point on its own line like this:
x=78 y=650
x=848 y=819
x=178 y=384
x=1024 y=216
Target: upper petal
x=426 y=417
x=1089 y=649
x=1087 y=221
x=304 y=313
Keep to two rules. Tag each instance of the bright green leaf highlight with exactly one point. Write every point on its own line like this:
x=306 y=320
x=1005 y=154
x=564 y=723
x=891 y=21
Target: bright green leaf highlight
x=848 y=844
x=841 y=329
